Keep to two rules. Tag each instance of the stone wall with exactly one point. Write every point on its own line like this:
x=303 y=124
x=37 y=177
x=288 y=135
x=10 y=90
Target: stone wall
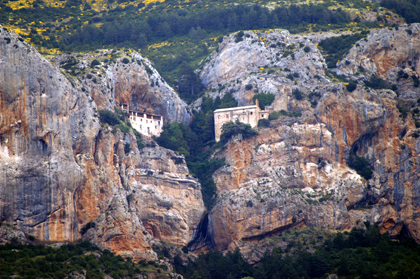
x=249 y=115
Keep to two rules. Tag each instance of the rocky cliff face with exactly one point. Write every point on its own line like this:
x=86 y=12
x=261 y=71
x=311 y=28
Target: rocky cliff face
x=64 y=176
x=295 y=173
x=386 y=52
x=271 y=62
x=124 y=77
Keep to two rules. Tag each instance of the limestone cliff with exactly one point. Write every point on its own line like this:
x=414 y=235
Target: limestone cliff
x=124 y=77
x=271 y=62
x=385 y=53
x=295 y=173
x=64 y=176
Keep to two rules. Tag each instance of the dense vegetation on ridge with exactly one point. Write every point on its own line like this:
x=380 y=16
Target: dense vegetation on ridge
x=356 y=254
x=41 y=261
x=170 y=32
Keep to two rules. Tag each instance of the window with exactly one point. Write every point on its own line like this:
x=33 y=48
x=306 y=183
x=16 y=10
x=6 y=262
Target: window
x=227 y=115
x=159 y=122
x=262 y=115
x=251 y=112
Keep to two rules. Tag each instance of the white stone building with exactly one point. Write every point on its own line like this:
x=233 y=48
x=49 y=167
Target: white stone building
x=145 y=124
x=249 y=115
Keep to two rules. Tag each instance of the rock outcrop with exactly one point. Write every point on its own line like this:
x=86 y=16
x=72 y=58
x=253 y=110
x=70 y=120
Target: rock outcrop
x=124 y=77
x=64 y=176
x=271 y=62
x=386 y=52
x=295 y=173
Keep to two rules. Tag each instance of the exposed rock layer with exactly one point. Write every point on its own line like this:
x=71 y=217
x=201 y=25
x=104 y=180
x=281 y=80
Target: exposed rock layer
x=295 y=173
x=63 y=176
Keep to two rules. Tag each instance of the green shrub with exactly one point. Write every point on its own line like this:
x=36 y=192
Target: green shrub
x=403 y=111
x=130 y=198
x=127 y=148
x=264 y=99
x=239 y=36
x=123 y=128
x=148 y=70
x=231 y=129
x=376 y=82
x=361 y=166
x=185 y=249
x=307 y=49
x=140 y=145
x=264 y=123
x=298 y=94
x=276 y=114
x=248 y=86
x=94 y=63
x=125 y=60
x=351 y=86
x=415 y=80
x=108 y=117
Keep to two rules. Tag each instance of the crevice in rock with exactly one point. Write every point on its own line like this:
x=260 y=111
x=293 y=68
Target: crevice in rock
x=203 y=235
x=276 y=231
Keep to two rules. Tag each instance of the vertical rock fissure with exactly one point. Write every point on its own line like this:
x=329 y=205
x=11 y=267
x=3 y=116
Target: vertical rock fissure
x=203 y=235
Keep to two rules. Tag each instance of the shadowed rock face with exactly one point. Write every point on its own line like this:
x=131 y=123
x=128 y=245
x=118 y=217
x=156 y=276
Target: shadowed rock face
x=41 y=125
x=62 y=173
x=295 y=173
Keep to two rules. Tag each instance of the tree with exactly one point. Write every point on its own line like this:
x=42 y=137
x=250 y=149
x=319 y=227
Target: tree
x=231 y=129
x=264 y=99
x=189 y=83
x=351 y=86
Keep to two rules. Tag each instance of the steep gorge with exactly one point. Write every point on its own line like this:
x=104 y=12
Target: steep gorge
x=65 y=176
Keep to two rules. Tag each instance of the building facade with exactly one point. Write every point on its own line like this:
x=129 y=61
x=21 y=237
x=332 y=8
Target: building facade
x=249 y=115
x=145 y=124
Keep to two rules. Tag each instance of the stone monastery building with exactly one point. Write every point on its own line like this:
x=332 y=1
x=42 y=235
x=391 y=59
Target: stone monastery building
x=249 y=115
x=145 y=124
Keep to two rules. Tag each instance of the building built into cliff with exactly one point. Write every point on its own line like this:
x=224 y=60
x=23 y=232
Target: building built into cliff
x=145 y=124
x=249 y=115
